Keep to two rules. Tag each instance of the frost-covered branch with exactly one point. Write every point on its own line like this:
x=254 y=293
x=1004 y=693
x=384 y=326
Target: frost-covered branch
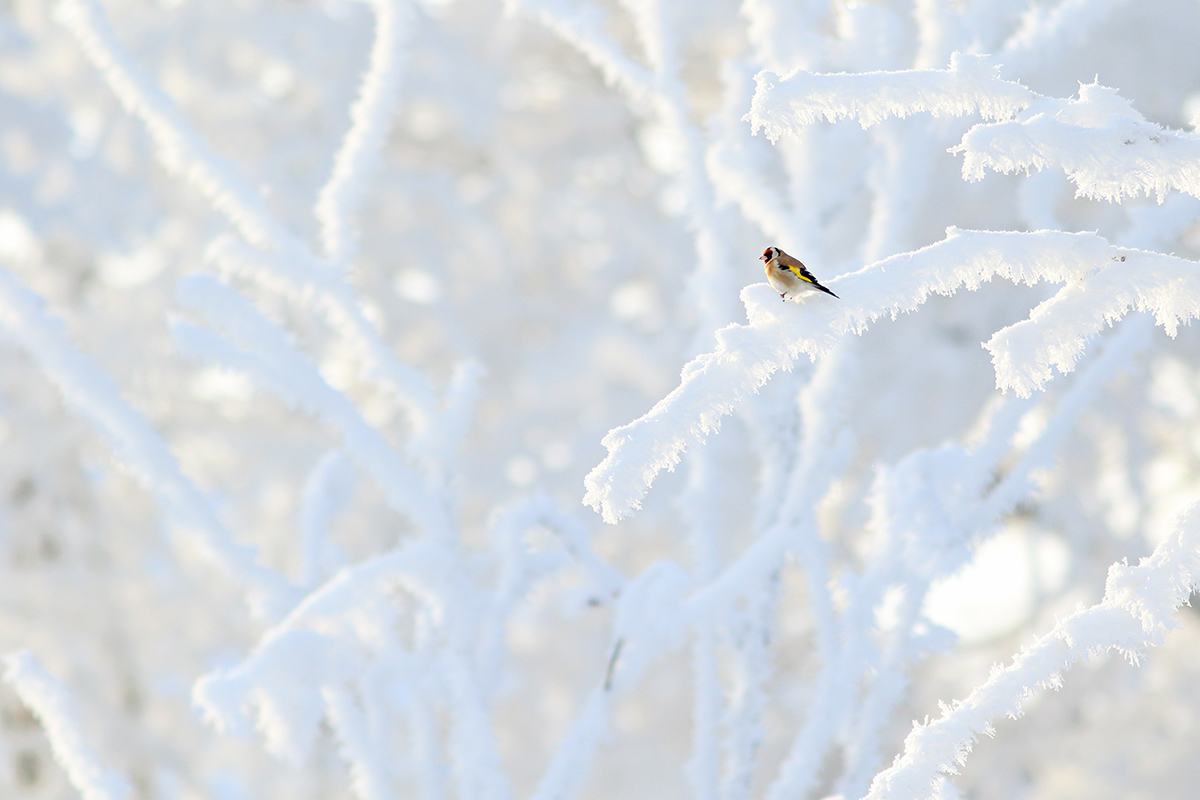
x=327 y=640
x=746 y=357
x=939 y=506
x=326 y=492
x=279 y=258
x=662 y=91
x=1136 y=612
x=343 y=632
x=1106 y=148
x=54 y=708
x=92 y=394
x=583 y=27
x=371 y=118
x=179 y=148
x=358 y=747
x=262 y=350
x=1058 y=330
x=333 y=299
x=972 y=84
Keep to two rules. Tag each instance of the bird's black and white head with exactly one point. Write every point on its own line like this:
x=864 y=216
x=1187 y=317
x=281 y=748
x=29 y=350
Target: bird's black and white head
x=769 y=255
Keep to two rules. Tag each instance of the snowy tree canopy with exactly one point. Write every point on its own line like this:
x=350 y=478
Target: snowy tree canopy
x=320 y=318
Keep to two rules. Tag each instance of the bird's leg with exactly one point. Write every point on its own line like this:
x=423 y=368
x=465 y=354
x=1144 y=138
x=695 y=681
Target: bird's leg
x=783 y=296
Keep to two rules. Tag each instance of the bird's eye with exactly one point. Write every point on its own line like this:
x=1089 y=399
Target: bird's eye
x=767 y=253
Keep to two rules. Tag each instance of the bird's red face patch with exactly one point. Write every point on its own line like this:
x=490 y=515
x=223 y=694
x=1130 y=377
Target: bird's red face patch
x=768 y=254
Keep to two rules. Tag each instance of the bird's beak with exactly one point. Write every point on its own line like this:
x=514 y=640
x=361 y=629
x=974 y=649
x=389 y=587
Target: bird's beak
x=762 y=258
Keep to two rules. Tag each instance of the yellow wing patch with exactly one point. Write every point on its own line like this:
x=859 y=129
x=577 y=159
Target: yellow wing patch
x=800 y=273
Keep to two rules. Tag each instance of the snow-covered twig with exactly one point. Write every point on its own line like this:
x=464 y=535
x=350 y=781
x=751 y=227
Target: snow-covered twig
x=1057 y=331
x=333 y=299
x=277 y=258
x=91 y=393
x=326 y=492
x=1136 y=612
x=949 y=502
x=54 y=708
x=972 y=84
x=583 y=27
x=179 y=148
x=746 y=357
x=358 y=748
x=1107 y=149
x=328 y=639
x=370 y=117
x=263 y=351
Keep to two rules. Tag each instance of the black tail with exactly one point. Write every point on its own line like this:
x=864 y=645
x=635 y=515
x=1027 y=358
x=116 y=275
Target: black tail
x=823 y=289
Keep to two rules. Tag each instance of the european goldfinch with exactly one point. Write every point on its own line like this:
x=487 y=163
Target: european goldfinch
x=788 y=276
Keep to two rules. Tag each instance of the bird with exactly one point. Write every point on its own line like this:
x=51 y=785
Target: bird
x=788 y=276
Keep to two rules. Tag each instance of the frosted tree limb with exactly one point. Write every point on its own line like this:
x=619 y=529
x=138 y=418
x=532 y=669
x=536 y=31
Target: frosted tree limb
x=661 y=91
x=334 y=299
x=786 y=35
x=288 y=263
x=746 y=357
x=344 y=630
x=1058 y=330
x=263 y=351
x=356 y=744
x=1107 y=149
x=735 y=167
x=181 y=151
x=958 y=492
x=326 y=493
x=583 y=28
x=371 y=118
x=93 y=395
x=972 y=84
x=327 y=640
x=54 y=708
x=1135 y=614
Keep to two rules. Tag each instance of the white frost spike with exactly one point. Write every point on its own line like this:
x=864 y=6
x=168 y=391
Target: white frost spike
x=1137 y=610
x=54 y=707
x=971 y=84
x=371 y=118
x=747 y=356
